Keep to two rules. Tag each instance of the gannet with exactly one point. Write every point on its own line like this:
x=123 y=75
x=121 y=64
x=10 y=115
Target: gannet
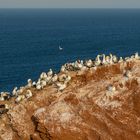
x=34 y=84
x=97 y=60
x=137 y=55
x=19 y=98
x=54 y=78
x=63 y=69
x=111 y=88
x=89 y=63
x=50 y=73
x=14 y=92
x=104 y=60
x=115 y=59
x=61 y=86
x=28 y=94
x=43 y=75
x=43 y=83
x=5 y=95
x=120 y=60
x=2 y=99
x=68 y=78
x=107 y=58
x=128 y=74
x=60 y=48
x=38 y=87
x=29 y=83
x=111 y=59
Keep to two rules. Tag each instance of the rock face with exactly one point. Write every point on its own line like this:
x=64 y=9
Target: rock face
x=86 y=110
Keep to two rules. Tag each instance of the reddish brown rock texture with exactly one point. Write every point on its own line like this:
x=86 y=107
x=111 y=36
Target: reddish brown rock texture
x=85 y=110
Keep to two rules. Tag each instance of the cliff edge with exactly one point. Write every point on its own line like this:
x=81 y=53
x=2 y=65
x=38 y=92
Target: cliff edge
x=97 y=104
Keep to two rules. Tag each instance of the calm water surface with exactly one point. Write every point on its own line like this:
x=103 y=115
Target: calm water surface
x=30 y=38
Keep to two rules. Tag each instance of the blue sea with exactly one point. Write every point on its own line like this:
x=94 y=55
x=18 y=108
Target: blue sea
x=30 y=39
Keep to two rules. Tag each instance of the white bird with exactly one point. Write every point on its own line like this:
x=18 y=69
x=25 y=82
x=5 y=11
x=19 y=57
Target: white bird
x=120 y=60
x=78 y=65
x=14 y=92
x=60 y=48
x=5 y=95
x=54 y=78
x=43 y=83
x=34 y=84
x=21 y=89
x=63 y=69
x=28 y=94
x=137 y=55
x=89 y=63
x=2 y=99
x=20 y=98
x=104 y=60
x=128 y=74
x=29 y=83
x=38 y=87
x=43 y=75
x=115 y=59
x=60 y=86
x=111 y=59
x=107 y=59
x=127 y=58
x=48 y=79
x=6 y=106
x=111 y=88
x=68 y=78
x=97 y=60
x=50 y=73
x=62 y=77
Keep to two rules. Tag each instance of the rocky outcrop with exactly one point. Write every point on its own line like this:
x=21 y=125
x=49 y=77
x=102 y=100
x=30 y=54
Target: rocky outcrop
x=88 y=109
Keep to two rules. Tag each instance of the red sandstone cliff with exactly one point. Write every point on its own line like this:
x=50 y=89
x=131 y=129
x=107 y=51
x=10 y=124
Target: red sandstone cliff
x=85 y=110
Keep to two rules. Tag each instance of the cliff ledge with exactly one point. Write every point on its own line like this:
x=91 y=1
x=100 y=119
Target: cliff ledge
x=98 y=104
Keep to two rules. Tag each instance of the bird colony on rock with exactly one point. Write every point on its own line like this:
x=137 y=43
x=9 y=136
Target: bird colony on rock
x=60 y=81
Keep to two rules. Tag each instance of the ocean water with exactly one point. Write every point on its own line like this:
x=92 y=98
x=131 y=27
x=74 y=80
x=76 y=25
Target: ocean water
x=30 y=39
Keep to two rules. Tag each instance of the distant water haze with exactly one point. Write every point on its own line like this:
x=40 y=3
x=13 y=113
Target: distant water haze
x=30 y=39
x=69 y=3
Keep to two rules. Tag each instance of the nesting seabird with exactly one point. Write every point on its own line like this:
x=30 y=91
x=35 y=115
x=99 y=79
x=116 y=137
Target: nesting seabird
x=104 y=60
x=38 y=86
x=63 y=69
x=137 y=55
x=97 y=60
x=61 y=86
x=67 y=79
x=111 y=88
x=111 y=59
x=5 y=95
x=62 y=77
x=19 y=98
x=28 y=94
x=43 y=76
x=54 y=78
x=89 y=63
x=29 y=83
x=120 y=60
x=14 y=92
x=2 y=99
x=128 y=74
x=78 y=65
x=34 y=84
x=115 y=59
x=50 y=73
x=43 y=83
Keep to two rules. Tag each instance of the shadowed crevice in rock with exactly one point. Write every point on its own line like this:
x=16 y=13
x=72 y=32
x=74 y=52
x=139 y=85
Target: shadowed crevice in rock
x=40 y=132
